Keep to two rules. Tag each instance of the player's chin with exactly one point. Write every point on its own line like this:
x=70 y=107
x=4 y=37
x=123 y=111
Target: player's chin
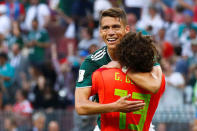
x=111 y=46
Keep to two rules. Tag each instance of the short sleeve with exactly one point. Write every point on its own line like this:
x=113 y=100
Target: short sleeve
x=85 y=73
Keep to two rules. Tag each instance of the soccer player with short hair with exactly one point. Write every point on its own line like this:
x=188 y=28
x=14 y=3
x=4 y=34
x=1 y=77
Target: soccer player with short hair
x=138 y=53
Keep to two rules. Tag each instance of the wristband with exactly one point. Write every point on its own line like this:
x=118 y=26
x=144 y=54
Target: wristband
x=125 y=69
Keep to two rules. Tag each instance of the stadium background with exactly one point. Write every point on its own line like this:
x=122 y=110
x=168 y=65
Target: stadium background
x=43 y=43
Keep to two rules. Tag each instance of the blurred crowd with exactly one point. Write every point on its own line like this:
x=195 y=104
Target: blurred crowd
x=43 y=42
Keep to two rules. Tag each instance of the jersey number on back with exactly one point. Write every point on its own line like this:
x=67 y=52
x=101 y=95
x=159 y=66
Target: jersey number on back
x=142 y=112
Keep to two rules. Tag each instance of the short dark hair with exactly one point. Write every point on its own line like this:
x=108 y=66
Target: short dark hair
x=137 y=52
x=114 y=12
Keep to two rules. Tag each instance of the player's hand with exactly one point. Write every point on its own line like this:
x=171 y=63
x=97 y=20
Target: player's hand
x=112 y=64
x=124 y=105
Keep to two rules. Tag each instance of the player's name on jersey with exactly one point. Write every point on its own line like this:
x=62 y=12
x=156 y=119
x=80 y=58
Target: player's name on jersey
x=122 y=79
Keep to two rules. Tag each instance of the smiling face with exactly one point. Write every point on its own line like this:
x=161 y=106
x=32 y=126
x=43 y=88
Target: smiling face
x=112 y=31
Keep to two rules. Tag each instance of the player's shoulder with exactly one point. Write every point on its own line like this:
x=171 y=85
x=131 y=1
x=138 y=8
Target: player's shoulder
x=98 y=55
x=106 y=71
x=96 y=60
x=100 y=70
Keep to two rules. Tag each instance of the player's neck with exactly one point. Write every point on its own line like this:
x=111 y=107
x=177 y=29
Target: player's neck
x=111 y=54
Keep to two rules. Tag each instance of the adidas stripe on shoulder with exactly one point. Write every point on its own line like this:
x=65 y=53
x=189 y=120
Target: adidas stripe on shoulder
x=98 y=55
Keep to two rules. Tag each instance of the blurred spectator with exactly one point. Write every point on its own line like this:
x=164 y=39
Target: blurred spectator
x=3 y=45
x=172 y=98
x=166 y=49
x=188 y=23
x=132 y=22
x=84 y=122
x=44 y=97
x=6 y=71
x=153 y=21
x=38 y=42
x=86 y=39
x=49 y=72
x=53 y=4
x=15 y=10
x=192 y=63
x=81 y=9
x=39 y=11
x=53 y=126
x=180 y=62
x=64 y=76
x=175 y=83
x=5 y=25
x=20 y=64
x=192 y=7
x=170 y=27
x=10 y=124
x=178 y=14
x=134 y=6
x=65 y=6
x=193 y=59
x=15 y=36
x=71 y=30
x=100 y=5
x=22 y=106
x=39 y=120
x=186 y=39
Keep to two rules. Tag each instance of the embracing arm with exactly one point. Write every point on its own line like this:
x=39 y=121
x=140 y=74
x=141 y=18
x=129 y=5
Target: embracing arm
x=84 y=106
x=150 y=81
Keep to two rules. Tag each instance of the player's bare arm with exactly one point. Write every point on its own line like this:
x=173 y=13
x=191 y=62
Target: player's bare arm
x=84 y=106
x=150 y=81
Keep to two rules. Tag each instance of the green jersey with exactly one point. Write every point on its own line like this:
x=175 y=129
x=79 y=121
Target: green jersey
x=37 y=54
x=90 y=64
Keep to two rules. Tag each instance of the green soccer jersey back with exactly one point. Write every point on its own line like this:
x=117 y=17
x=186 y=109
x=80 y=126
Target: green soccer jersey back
x=90 y=64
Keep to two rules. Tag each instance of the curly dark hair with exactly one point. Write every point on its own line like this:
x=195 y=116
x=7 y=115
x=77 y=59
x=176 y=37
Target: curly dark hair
x=137 y=52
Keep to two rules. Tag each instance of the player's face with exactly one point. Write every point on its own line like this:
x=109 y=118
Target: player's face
x=112 y=31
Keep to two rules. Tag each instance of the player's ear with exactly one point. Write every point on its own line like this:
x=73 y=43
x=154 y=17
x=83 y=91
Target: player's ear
x=127 y=29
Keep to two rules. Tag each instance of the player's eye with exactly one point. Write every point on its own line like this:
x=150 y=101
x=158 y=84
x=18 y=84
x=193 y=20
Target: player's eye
x=116 y=26
x=105 y=27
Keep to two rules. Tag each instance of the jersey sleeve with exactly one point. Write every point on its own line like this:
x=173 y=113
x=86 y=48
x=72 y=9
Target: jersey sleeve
x=85 y=73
